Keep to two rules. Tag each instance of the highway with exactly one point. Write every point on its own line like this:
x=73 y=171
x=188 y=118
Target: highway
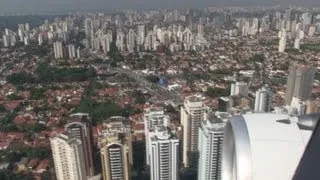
x=160 y=92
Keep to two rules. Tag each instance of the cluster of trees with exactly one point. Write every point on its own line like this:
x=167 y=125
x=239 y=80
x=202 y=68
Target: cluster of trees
x=9 y=175
x=37 y=93
x=217 y=92
x=21 y=78
x=152 y=78
x=46 y=73
x=99 y=111
x=17 y=154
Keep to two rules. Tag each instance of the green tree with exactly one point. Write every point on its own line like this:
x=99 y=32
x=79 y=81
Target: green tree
x=20 y=78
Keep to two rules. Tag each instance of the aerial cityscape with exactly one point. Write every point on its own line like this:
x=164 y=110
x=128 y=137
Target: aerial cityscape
x=214 y=93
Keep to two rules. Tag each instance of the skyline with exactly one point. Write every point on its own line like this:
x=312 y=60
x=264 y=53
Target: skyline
x=41 y=6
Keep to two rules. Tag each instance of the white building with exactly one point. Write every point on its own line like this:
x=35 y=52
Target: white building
x=192 y=113
x=71 y=51
x=68 y=158
x=164 y=162
x=210 y=148
x=26 y=41
x=282 y=41
x=153 y=117
x=40 y=39
x=297 y=43
x=265 y=146
x=6 y=40
x=263 y=100
x=58 y=50
x=239 y=88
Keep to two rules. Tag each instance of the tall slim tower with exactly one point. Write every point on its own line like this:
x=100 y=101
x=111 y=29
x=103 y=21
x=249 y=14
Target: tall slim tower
x=80 y=127
x=71 y=51
x=192 y=113
x=164 y=162
x=58 y=50
x=283 y=41
x=153 y=117
x=116 y=149
x=299 y=82
x=210 y=148
x=68 y=158
x=263 y=100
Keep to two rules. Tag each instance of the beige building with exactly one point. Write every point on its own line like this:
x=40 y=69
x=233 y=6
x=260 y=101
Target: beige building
x=68 y=158
x=116 y=149
x=192 y=113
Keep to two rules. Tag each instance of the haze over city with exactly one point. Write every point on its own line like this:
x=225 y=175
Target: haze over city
x=90 y=5
x=159 y=90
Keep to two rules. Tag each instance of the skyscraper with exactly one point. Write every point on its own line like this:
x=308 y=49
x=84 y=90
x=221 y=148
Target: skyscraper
x=71 y=51
x=283 y=41
x=164 y=161
x=263 y=100
x=58 y=50
x=153 y=117
x=192 y=113
x=68 y=158
x=210 y=148
x=299 y=82
x=80 y=127
x=116 y=149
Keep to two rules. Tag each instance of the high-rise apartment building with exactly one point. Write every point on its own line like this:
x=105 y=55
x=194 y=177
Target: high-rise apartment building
x=164 y=159
x=116 y=149
x=71 y=51
x=299 y=82
x=282 y=41
x=263 y=100
x=153 y=117
x=58 y=50
x=239 y=88
x=210 y=148
x=79 y=126
x=68 y=158
x=192 y=113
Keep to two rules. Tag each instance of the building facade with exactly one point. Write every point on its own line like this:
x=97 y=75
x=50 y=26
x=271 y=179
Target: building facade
x=116 y=149
x=80 y=127
x=192 y=113
x=164 y=159
x=153 y=117
x=263 y=100
x=68 y=158
x=210 y=148
x=299 y=82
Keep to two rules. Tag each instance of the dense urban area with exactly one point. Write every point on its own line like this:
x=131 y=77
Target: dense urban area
x=147 y=94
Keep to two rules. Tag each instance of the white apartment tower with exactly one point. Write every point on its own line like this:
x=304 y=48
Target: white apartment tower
x=210 y=148
x=192 y=113
x=68 y=158
x=263 y=100
x=282 y=41
x=71 y=51
x=239 y=88
x=40 y=39
x=153 y=117
x=58 y=50
x=164 y=162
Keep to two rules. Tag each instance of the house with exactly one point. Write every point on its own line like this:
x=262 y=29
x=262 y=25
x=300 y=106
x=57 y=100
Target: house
x=43 y=166
x=33 y=163
x=21 y=165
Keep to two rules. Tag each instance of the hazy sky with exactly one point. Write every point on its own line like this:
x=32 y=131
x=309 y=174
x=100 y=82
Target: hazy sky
x=65 y=5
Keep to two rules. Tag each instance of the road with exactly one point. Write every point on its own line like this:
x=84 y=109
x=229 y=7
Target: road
x=161 y=92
